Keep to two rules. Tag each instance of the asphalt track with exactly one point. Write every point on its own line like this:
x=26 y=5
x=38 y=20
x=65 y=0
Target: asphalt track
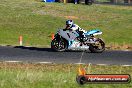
x=34 y=54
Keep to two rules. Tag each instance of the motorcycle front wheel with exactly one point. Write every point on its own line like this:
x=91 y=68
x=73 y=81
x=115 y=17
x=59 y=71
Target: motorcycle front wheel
x=58 y=45
x=99 y=47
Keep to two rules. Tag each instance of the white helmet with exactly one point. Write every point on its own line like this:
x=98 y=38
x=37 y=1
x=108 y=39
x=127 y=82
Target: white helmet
x=69 y=23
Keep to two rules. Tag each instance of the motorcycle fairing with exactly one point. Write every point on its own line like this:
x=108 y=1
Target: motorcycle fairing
x=71 y=35
x=68 y=35
x=93 y=32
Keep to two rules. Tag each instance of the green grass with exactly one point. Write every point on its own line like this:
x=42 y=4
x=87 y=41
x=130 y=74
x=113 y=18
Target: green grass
x=20 y=75
x=35 y=21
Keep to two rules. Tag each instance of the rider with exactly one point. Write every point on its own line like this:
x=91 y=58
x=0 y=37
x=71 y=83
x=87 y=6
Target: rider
x=71 y=26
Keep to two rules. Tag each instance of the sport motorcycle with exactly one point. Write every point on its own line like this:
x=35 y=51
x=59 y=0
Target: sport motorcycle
x=71 y=40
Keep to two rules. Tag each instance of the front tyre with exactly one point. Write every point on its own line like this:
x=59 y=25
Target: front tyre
x=59 y=45
x=98 y=47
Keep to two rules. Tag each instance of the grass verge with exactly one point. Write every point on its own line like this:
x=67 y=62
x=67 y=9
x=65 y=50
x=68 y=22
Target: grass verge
x=36 y=20
x=25 y=75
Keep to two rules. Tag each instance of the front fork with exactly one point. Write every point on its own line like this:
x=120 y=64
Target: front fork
x=95 y=41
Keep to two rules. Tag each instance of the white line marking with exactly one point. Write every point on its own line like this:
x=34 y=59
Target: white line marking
x=3 y=45
x=126 y=65
x=28 y=46
x=13 y=61
x=126 y=50
x=79 y=63
x=44 y=62
x=101 y=64
x=56 y=63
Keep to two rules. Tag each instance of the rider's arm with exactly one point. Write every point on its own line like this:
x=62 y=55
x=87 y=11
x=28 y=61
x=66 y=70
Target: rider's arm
x=80 y=29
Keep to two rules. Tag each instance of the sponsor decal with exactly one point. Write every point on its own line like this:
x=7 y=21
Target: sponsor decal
x=103 y=78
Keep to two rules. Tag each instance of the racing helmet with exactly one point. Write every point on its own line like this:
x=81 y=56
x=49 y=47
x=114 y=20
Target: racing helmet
x=69 y=23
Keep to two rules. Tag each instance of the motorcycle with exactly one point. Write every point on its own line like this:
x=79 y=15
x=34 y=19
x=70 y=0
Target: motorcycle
x=71 y=40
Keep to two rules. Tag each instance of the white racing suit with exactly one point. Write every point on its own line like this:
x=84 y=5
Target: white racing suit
x=76 y=27
x=81 y=32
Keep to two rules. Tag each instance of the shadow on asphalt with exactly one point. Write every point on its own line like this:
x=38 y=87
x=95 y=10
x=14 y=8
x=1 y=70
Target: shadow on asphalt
x=46 y=49
x=35 y=48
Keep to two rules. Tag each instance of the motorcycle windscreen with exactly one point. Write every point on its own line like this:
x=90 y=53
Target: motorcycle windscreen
x=68 y=35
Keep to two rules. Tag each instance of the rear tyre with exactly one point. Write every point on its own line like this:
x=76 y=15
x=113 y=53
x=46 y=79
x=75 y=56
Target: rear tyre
x=97 y=48
x=59 y=45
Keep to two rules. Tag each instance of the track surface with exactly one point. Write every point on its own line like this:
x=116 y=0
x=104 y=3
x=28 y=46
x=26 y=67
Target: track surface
x=33 y=54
